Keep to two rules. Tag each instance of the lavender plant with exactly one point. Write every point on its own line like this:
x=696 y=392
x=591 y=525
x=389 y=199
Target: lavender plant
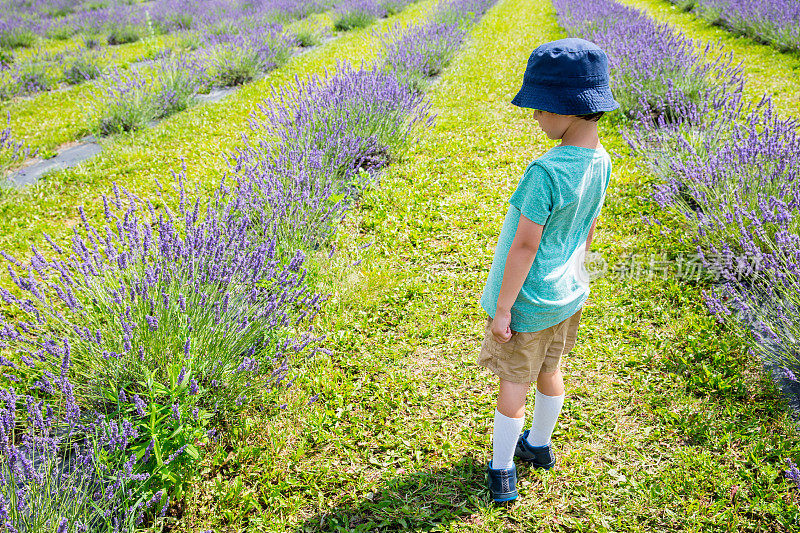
x=123 y=35
x=142 y=299
x=126 y=103
x=237 y=58
x=730 y=169
x=461 y=11
x=15 y=37
x=62 y=470
x=420 y=52
x=130 y=101
x=176 y=81
x=314 y=144
x=354 y=14
x=81 y=67
x=307 y=34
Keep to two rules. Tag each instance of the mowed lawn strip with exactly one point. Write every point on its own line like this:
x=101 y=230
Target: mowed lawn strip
x=668 y=424
x=198 y=138
x=766 y=69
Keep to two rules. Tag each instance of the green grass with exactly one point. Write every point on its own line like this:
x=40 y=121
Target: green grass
x=766 y=69
x=667 y=426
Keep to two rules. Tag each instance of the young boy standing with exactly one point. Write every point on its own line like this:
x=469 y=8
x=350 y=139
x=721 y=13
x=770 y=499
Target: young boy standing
x=537 y=284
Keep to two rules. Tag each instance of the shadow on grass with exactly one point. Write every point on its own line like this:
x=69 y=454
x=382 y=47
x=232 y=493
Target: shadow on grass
x=416 y=501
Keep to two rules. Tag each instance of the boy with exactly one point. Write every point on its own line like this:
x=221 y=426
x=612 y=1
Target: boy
x=537 y=284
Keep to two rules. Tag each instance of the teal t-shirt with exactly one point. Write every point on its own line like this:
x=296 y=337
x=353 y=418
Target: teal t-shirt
x=563 y=190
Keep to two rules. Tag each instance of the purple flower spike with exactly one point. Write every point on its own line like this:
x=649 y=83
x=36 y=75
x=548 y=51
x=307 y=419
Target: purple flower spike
x=792 y=473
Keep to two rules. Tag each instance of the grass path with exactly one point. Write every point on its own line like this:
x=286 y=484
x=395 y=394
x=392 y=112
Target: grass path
x=766 y=69
x=667 y=426
x=198 y=137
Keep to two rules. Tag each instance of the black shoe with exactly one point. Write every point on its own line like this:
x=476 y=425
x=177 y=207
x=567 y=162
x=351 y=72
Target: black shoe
x=502 y=483
x=536 y=456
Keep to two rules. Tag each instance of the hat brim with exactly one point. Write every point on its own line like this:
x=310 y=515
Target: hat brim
x=566 y=100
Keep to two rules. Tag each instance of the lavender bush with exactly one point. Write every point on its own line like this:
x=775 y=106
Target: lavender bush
x=314 y=144
x=236 y=58
x=130 y=101
x=80 y=67
x=731 y=171
x=125 y=105
x=15 y=37
x=176 y=81
x=140 y=298
x=64 y=471
x=420 y=52
x=354 y=14
x=124 y=34
x=463 y=12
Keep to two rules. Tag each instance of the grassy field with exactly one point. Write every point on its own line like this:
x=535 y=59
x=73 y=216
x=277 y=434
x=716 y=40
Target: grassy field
x=668 y=424
x=198 y=137
x=766 y=69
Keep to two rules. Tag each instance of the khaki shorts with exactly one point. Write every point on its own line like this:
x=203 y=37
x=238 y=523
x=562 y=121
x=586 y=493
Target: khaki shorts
x=527 y=353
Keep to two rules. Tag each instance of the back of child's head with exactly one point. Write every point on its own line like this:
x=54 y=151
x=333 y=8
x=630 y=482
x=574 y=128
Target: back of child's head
x=567 y=77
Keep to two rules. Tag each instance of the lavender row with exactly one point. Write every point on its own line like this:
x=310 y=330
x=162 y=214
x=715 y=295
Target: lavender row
x=123 y=22
x=44 y=71
x=730 y=168
x=656 y=71
x=168 y=321
x=776 y=22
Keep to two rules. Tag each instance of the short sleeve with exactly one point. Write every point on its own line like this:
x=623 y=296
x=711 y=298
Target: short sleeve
x=534 y=195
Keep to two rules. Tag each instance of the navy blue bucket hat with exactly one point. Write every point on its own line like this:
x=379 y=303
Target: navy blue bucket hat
x=567 y=77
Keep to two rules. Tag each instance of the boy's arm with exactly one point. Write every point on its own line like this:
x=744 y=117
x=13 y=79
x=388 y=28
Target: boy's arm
x=591 y=234
x=518 y=264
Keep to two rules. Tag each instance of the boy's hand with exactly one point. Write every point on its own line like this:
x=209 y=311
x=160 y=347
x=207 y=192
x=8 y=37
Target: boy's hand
x=501 y=326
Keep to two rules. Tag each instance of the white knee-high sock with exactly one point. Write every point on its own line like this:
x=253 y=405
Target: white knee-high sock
x=545 y=415
x=504 y=440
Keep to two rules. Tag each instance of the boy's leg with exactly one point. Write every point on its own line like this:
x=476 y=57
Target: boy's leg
x=546 y=407
x=509 y=419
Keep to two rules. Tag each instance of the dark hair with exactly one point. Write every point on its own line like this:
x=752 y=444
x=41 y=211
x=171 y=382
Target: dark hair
x=593 y=117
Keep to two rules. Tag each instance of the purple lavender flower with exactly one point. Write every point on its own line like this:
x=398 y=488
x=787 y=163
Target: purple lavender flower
x=792 y=473
x=141 y=407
